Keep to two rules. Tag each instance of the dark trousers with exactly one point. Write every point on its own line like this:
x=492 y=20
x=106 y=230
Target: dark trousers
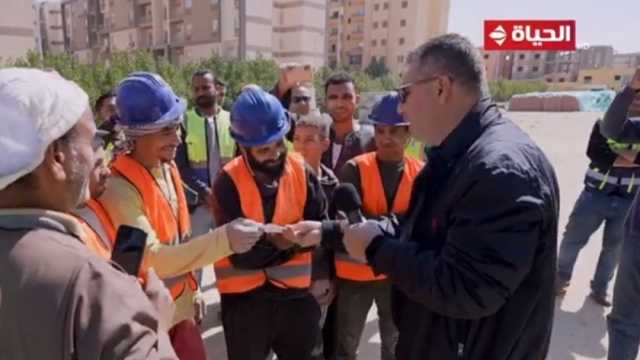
x=255 y=324
x=353 y=304
x=186 y=341
x=624 y=319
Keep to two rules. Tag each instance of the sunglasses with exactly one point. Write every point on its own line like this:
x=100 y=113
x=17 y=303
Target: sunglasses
x=298 y=99
x=404 y=90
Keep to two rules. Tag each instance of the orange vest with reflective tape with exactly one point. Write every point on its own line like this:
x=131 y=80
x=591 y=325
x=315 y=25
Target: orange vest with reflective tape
x=170 y=229
x=374 y=204
x=98 y=228
x=289 y=209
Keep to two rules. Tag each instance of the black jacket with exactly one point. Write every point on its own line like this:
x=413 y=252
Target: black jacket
x=474 y=269
x=358 y=142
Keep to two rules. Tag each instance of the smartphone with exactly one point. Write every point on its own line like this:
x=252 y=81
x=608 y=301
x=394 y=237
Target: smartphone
x=129 y=248
x=298 y=74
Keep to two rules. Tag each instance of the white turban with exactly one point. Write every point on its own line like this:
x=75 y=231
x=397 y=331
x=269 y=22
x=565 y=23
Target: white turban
x=36 y=108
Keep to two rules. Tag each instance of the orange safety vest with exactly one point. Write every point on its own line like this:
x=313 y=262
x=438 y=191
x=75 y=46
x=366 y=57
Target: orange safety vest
x=374 y=204
x=169 y=228
x=289 y=209
x=98 y=228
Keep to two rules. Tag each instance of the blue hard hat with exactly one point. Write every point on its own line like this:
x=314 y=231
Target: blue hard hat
x=385 y=111
x=258 y=118
x=144 y=98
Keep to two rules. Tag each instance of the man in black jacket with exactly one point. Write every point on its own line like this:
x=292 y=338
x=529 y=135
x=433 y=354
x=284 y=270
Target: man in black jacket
x=473 y=271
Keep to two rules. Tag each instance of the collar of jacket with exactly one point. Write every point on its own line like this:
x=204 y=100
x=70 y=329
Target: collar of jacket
x=467 y=132
x=29 y=218
x=348 y=138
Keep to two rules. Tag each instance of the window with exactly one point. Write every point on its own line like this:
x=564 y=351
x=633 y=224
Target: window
x=617 y=77
x=215 y=2
x=536 y=56
x=348 y=37
x=383 y=42
x=386 y=6
x=349 y=21
x=520 y=69
x=215 y=25
x=403 y=23
x=486 y=56
x=401 y=41
x=383 y=59
x=405 y=4
x=355 y=59
x=521 y=57
x=335 y=15
x=188 y=4
x=535 y=69
x=188 y=31
x=549 y=80
x=376 y=7
x=333 y=48
x=400 y=58
x=374 y=42
x=561 y=80
x=375 y=24
x=385 y=24
x=587 y=79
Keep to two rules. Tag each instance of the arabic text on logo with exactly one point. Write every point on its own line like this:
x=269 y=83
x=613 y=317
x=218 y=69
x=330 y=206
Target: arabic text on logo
x=534 y=35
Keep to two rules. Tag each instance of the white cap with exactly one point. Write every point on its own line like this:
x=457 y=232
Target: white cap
x=37 y=108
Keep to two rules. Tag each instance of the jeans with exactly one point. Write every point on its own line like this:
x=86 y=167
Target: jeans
x=591 y=210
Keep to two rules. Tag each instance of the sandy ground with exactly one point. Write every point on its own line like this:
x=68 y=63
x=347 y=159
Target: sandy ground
x=580 y=325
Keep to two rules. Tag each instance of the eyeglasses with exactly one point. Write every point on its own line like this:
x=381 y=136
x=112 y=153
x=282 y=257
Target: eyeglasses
x=297 y=99
x=404 y=90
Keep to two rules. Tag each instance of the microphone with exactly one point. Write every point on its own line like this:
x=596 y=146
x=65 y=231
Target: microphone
x=347 y=200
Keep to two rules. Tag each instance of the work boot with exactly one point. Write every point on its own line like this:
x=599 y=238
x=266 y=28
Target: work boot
x=600 y=299
x=561 y=286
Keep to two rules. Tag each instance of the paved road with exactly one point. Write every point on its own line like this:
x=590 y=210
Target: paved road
x=579 y=328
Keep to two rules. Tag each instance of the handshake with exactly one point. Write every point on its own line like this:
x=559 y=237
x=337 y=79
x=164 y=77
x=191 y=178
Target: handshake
x=243 y=234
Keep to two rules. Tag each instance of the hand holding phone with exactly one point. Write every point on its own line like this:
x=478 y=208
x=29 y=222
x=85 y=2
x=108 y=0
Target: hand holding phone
x=128 y=250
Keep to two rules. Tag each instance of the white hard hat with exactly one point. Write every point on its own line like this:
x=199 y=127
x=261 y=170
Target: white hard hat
x=37 y=108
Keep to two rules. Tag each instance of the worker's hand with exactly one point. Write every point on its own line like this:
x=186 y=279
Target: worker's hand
x=357 y=238
x=161 y=299
x=209 y=200
x=200 y=308
x=635 y=81
x=304 y=233
x=243 y=234
x=323 y=290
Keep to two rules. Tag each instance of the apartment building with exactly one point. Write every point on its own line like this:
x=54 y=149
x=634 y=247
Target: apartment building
x=17 y=29
x=187 y=30
x=360 y=30
x=49 y=27
x=497 y=64
x=630 y=60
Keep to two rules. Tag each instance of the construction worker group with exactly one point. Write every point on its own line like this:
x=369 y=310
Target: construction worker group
x=180 y=174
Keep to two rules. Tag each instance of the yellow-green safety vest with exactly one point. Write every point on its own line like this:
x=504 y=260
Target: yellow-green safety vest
x=196 y=139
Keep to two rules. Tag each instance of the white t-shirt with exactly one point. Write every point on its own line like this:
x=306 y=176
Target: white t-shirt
x=336 y=150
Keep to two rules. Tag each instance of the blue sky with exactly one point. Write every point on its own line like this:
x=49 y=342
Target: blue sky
x=603 y=22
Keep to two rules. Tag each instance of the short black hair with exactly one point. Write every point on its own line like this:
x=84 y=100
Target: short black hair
x=202 y=73
x=98 y=105
x=338 y=79
x=453 y=55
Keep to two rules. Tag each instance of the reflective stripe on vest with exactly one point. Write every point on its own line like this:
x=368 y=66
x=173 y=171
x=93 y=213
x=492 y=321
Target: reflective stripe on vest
x=289 y=209
x=600 y=180
x=196 y=138
x=374 y=204
x=169 y=228
x=614 y=145
x=92 y=239
x=94 y=215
